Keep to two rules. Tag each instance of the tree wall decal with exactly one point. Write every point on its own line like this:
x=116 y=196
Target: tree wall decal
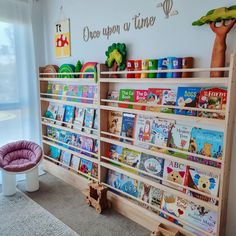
x=221 y=21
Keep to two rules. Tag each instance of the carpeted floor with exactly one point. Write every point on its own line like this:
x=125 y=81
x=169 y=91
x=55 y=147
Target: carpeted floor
x=67 y=204
x=19 y=215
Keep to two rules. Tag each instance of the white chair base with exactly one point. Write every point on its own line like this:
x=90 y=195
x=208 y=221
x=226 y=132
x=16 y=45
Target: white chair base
x=9 y=181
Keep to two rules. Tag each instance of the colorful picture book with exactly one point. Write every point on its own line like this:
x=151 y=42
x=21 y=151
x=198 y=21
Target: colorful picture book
x=52 y=111
x=79 y=118
x=114 y=122
x=207 y=143
x=115 y=152
x=154 y=98
x=94 y=172
x=88 y=120
x=131 y=157
x=87 y=144
x=114 y=95
x=69 y=115
x=60 y=114
x=155 y=197
x=126 y=95
x=144 y=192
x=187 y=97
x=213 y=98
x=75 y=161
x=66 y=158
x=174 y=172
x=140 y=96
x=85 y=166
x=168 y=99
x=55 y=153
x=127 y=127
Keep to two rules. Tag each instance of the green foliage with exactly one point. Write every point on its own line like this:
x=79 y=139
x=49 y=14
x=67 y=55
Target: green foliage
x=217 y=15
x=116 y=53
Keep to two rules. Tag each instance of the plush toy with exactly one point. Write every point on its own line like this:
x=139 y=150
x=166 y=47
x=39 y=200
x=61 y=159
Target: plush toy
x=116 y=57
x=227 y=17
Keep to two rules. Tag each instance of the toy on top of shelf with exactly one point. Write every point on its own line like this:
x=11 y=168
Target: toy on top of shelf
x=177 y=64
x=187 y=62
x=130 y=67
x=170 y=66
x=161 y=65
x=137 y=67
x=65 y=69
x=78 y=67
x=50 y=69
x=89 y=67
x=145 y=65
x=116 y=57
x=227 y=17
x=152 y=65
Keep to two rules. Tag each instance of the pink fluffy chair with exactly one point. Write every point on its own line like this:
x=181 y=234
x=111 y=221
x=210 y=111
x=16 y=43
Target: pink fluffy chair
x=16 y=158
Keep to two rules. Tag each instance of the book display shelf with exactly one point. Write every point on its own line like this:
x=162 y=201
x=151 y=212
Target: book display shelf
x=178 y=199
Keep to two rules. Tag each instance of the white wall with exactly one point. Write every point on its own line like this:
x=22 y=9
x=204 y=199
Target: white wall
x=169 y=37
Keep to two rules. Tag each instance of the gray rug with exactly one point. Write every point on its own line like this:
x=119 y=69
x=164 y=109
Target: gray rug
x=19 y=215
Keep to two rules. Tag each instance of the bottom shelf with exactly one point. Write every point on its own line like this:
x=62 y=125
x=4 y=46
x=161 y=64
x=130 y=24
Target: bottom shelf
x=124 y=206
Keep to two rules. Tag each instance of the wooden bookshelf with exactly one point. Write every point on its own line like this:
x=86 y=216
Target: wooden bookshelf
x=124 y=203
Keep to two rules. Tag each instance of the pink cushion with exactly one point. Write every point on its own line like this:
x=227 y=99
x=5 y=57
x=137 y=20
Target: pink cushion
x=20 y=156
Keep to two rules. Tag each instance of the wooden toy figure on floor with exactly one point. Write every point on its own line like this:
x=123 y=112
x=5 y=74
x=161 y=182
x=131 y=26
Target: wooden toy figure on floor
x=97 y=197
x=116 y=57
x=221 y=21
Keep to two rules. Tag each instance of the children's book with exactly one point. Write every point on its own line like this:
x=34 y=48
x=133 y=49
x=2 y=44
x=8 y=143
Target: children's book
x=87 y=144
x=94 y=172
x=203 y=181
x=84 y=93
x=113 y=179
x=168 y=99
x=60 y=91
x=51 y=112
x=66 y=158
x=213 y=98
x=60 y=114
x=75 y=161
x=144 y=192
x=96 y=146
x=142 y=131
x=49 y=89
x=69 y=115
x=88 y=120
x=75 y=92
x=126 y=95
x=207 y=142
x=155 y=197
x=49 y=131
x=114 y=95
x=70 y=93
x=95 y=122
x=55 y=91
x=154 y=98
x=179 y=138
x=114 y=122
x=79 y=118
x=62 y=136
x=55 y=153
x=151 y=164
x=127 y=127
x=90 y=93
x=64 y=92
x=187 y=97
x=115 y=152
x=201 y=217
x=140 y=96
x=85 y=166
x=129 y=185
x=79 y=93
x=174 y=172
x=131 y=157
x=160 y=131
x=174 y=205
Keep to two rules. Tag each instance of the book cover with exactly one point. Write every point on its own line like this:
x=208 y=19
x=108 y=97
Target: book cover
x=55 y=91
x=94 y=172
x=69 y=115
x=168 y=99
x=174 y=172
x=96 y=146
x=144 y=192
x=201 y=217
x=129 y=185
x=127 y=127
x=140 y=96
x=88 y=120
x=90 y=94
x=75 y=161
x=70 y=93
x=126 y=95
x=62 y=136
x=114 y=122
x=85 y=166
x=131 y=157
x=60 y=114
x=55 y=153
x=203 y=181
x=154 y=98
x=95 y=122
x=79 y=118
x=87 y=144
x=51 y=112
x=64 y=92
x=113 y=179
x=115 y=152
x=60 y=91
x=49 y=88
x=151 y=164
x=142 y=131
x=84 y=93
x=160 y=131
x=207 y=143
x=213 y=98
x=66 y=158
x=75 y=93
x=49 y=131
x=155 y=197
x=179 y=138
x=114 y=95
x=79 y=93
x=187 y=97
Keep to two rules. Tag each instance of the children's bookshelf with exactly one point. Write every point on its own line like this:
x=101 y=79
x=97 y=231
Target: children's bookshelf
x=129 y=205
